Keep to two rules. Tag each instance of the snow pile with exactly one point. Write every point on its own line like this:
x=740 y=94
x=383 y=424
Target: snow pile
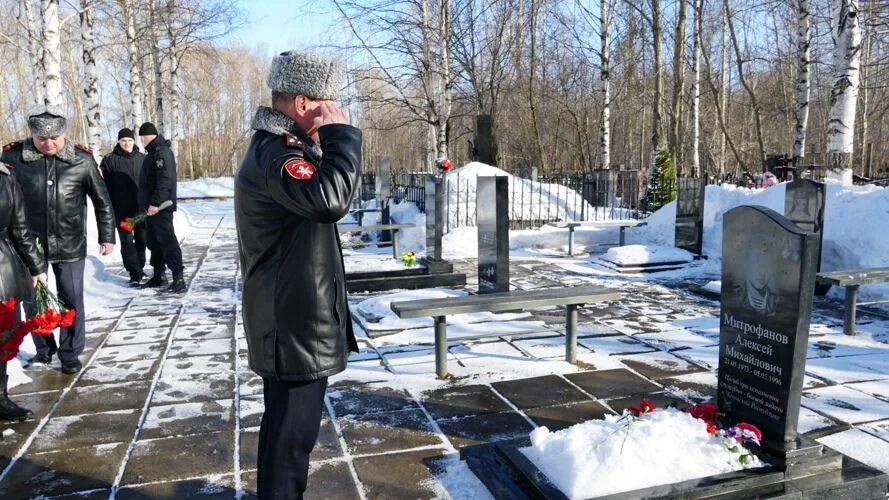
x=601 y=457
x=634 y=255
x=207 y=187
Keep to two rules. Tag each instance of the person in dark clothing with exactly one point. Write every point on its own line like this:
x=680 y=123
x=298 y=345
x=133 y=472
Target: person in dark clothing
x=288 y=199
x=121 y=172
x=56 y=177
x=157 y=184
x=19 y=260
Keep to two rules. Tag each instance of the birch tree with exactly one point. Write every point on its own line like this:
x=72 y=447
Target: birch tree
x=93 y=109
x=51 y=52
x=129 y=13
x=676 y=136
x=605 y=77
x=803 y=85
x=696 y=90
x=34 y=51
x=844 y=91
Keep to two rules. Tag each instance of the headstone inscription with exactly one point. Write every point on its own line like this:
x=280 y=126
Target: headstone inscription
x=768 y=275
x=383 y=188
x=804 y=206
x=484 y=140
x=690 y=214
x=492 y=203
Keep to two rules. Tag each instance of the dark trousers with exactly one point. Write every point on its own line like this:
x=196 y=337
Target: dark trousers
x=132 y=249
x=69 y=284
x=287 y=435
x=163 y=243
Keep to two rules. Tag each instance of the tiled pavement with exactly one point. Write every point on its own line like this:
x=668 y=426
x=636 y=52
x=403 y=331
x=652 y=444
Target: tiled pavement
x=166 y=407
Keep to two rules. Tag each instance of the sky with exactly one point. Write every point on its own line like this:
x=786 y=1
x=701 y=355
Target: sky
x=279 y=25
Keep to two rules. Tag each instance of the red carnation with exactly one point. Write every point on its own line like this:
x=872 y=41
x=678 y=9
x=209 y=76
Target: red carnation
x=128 y=224
x=646 y=406
x=708 y=412
x=751 y=429
x=67 y=318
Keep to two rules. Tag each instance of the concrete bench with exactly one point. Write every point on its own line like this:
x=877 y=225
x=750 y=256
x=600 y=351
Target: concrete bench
x=851 y=280
x=622 y=224
x=439 y=309
x=392 y=228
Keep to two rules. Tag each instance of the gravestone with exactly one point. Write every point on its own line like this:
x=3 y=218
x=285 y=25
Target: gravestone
x=690 y=214
x=492 y=204
x=599 y=188
x=435 y=225
x=804 y=206
x=768 y=276
x=484 y=140
x=383 y=186
x=529 y=173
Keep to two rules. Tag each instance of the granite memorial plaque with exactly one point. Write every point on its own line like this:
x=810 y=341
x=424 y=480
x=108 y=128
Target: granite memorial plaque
x=804 y=206
x=599 y=188
x=492 y=204
x=690 y=214
x=484 y=140
x=434 y=216
x=383 y=188
x=768 y=275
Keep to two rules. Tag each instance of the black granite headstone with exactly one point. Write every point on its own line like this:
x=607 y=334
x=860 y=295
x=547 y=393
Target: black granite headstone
x=599 y=188
x=768 y=275
x=804 y=206
x=690 y=214
x=484 y=140
x=434 y=216
x=383 y=189
x=529 y=173
x=492 y=203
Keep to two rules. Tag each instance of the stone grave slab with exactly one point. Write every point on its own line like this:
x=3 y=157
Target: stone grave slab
x=658 y=365
x=212 y=488
x=547 y=390
x=385 y=432
x=181 y=457
x=458 y=402
x=562 y=416
x=397 y=475
x=698 y=387
x=61 y=472
x=661 y=399
x=607 y=384
x=369 y=398
x=81 y=431
x=484 y=428
x=690 y=214
x=188 y=418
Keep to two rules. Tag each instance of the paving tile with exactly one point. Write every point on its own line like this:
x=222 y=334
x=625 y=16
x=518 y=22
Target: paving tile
x=204 y=347
x=43 y=378
x=389 y=431
x=40 y=404
x=145 y=322
x=188 y=418
x=174 y=387
x=659 y=399
x=193 y=365
x=658 y=365
x=463 y=401
x=131 y=337
x=129 y=371
x=206 y=488
x=398 y=475
x=534 y=392
x=124 y=353
x=61 y=472
x=104 y=397
x=368 y=398
x=700 y=386
x=175 y=458
x=562 y=416
x=481 y=429
x=81 y=431
x=605 y=384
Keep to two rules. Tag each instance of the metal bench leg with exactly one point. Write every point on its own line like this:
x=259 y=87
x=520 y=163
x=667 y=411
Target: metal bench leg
x=571 y=334
x=395 y=244
x=623 y=237
x=441 y=346
x=849 y=317
x=571 y=241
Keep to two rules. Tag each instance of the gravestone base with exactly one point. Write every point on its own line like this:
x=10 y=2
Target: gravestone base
x=648 y=267
x=437 y=266
x=429 y=273
x=507 y=473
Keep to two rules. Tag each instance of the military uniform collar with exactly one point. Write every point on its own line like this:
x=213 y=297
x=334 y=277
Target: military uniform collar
x=31 y=153
x=275 y=122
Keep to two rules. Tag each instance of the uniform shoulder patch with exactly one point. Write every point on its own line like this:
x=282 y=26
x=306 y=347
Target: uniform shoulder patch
x=159 y=163
x=83 y=148
x=11 y=145
x=292 y=141
x=299 y=169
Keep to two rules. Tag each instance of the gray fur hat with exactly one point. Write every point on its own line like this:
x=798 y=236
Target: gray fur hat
x=47 y=121
x=306 y=73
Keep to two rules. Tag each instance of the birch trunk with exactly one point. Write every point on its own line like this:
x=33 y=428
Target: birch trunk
x=136 y=113
x=34 y=53
x=658 y=84
x=175 y=102
x=605 y=75
x=844 y=92
x=444 y=75
x=723 y=91
x=532 y=76
x=51 y=60
x=90 y=80
x=802 y=80
x=678 y=87
x=696 y=91
x=155 y=19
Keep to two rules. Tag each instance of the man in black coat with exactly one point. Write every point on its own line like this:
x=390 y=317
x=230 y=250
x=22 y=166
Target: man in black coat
x=157 y=184
x=121 y=172
x=288 y=198
x=56 y=177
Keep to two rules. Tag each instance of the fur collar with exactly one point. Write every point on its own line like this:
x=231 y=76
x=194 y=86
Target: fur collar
x=276 y=122
x=30 y=152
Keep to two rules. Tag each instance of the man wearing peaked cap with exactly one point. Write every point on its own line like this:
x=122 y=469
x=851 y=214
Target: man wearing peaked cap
x=295 y=182
x=56 y=177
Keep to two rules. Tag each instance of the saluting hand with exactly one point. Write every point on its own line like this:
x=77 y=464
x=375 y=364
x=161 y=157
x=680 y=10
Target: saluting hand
x=329 y=113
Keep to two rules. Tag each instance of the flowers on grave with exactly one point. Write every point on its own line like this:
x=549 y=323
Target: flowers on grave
x=706 y=412
x=129 y=224
x=409 y=259
x=735 y=438
x=645 y=406
x=444 y=164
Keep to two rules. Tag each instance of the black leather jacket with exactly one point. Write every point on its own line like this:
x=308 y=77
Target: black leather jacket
x=296 y=316
x=121 y=172
x=55 y=189
x=157 y=180
x=19 y=257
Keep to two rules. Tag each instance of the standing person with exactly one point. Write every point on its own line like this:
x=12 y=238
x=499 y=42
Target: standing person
x=56 y=177
x=19 y=260
x=121 y=172
x=287 y=201
x=157 y=184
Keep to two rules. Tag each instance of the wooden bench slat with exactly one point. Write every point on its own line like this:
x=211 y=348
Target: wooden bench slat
x=854 y=276
x=506 y=301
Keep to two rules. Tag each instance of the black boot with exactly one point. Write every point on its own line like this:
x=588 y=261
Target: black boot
x=8 y=409
x=159 y=279
x=178 y=285
x=136 y=280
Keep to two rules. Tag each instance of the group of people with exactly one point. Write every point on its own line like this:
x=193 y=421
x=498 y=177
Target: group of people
x=45 y=182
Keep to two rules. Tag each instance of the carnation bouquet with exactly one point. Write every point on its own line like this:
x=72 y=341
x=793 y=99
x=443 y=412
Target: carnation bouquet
x=129 y=224
x=49 y=314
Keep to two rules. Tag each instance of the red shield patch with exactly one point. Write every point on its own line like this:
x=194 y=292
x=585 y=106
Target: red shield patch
x=299 y=169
